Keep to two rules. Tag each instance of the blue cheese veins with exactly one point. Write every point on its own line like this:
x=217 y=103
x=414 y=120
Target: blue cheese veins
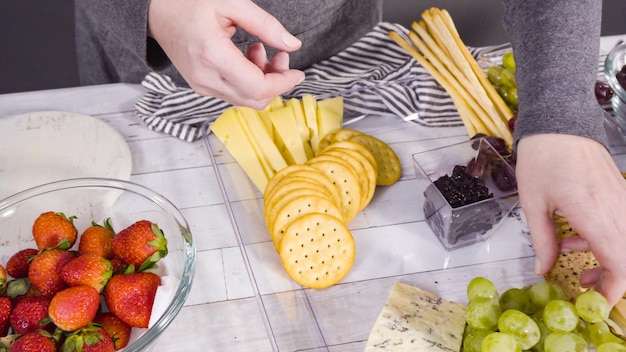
x=417 y=320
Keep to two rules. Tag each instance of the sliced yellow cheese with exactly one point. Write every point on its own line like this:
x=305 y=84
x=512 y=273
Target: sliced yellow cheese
x=286 y=128
x=277 y=103
x=265 y=141
x=305 y=134
x=264 y=115
x=230 y=132
x=309 y=105
x=416 y=320
x=256 y=147
x=329 y=116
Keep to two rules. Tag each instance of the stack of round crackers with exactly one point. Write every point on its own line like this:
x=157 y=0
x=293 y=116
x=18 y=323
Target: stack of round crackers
x=307 y=206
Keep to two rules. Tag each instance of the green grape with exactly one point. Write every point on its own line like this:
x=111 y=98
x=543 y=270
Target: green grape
x=494 y=74
x=543 y=292
x=611 y=347
x=473 y=340
x=544 y=332
x=500 y=342
x=600 y=333
x=559 y=341
x=512 y=98
x=482 y=314
x=508 y=62
x=592 y=306
x=480 y=288
x=516 y=298
x=560 y=315
x=507 y=79
x=521 y=326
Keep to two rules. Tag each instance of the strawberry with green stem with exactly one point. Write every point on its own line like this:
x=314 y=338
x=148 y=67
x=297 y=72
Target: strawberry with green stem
x=87 y=269
x=74 y=307
x=50 y=228
x=44 y=272
x=30 y=314
x=116 y=327
x=38 y=340
x=131 y=297
x=91 y=338
x=18 y=263
x=141 y=245
x=97 y=239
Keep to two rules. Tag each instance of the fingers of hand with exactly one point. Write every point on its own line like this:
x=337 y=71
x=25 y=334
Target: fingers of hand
x=261 y=24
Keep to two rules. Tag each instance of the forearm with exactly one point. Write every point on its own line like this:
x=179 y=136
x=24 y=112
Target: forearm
x=556 y=46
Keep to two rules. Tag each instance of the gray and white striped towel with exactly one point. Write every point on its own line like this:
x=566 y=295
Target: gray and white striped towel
x=374 y=75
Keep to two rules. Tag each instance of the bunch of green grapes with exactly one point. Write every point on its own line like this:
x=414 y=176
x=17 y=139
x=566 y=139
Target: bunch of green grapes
x=503 y=79
x=536 y=318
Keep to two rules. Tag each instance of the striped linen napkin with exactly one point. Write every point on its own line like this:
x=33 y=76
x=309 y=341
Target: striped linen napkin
x=374 y=75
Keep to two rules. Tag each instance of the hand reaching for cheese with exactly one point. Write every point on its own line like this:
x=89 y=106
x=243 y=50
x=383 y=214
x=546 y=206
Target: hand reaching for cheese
x=196 y=36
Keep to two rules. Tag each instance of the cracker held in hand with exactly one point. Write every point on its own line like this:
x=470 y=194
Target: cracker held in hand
x=317 y=250
x=569 y=266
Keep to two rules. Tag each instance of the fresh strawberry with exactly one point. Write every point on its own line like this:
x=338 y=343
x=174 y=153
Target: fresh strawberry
x=87 y=269
x=50 y=228
x=131 y=296
x=91 y=338
x=142 y=244
x=45 y=269
x=74 y=307
x=18 y=263
x=118 y=329
x=30 y=314
x=3 y=280
x=5 y=313
x=97 y=239
x=36 y=341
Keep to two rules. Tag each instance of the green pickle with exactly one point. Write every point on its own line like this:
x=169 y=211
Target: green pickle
x=508 y=62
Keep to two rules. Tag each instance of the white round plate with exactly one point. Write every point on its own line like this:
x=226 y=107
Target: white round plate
x=48 y=146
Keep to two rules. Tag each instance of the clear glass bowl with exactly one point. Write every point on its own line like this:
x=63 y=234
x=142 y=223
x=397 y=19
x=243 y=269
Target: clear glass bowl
x=457 y=227
x=93 y=199
x=615 y=60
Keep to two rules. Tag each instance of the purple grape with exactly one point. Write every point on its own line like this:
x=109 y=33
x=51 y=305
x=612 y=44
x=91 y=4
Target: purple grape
x=603 y=92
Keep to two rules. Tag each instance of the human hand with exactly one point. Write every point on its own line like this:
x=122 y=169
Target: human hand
x=196 y=36
x=575 y=177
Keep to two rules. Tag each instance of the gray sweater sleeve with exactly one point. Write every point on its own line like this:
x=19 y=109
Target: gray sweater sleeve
x=556 y=46
x=112 y=43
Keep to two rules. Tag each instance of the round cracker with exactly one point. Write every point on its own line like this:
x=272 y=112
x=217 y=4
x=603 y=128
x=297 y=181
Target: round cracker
x=369 y=171
x=299 y=206
x=344 y=135
x=282 y=173
x=345 y=179
x=356 y=147
x=318 y=181
x=270 y=209
x=324 y=142
x=389 y=168
x=289 y=185
x=364 y=179
x=317 y=250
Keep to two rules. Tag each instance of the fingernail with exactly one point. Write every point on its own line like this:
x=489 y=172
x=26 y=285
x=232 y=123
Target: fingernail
x=290 y=40
x=537 y=266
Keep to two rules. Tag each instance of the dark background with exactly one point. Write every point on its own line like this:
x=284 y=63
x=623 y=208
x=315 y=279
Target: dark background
x=37 y=36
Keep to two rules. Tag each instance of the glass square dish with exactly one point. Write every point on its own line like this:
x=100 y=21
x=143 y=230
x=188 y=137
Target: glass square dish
x=459 y=226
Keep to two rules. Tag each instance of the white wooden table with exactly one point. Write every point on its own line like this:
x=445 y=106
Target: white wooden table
x=231 y=308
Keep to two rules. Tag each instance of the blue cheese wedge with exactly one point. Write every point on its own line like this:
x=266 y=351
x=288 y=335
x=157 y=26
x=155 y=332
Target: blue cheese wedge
x=417 y=320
